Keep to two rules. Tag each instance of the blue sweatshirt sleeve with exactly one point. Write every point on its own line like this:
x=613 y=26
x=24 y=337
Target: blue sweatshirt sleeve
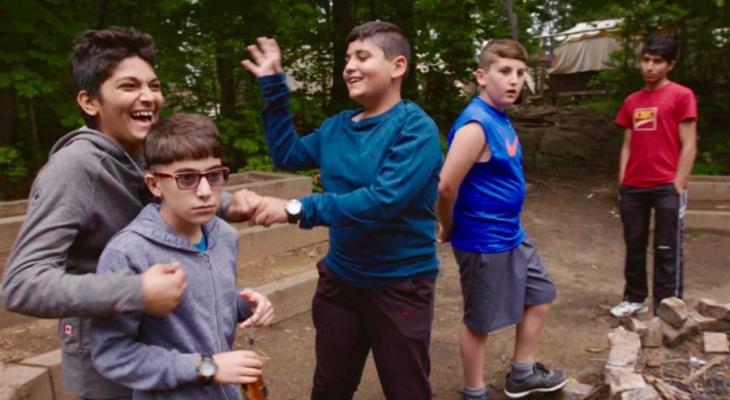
x=118 y=355
x=287 y=149
x=411 y=162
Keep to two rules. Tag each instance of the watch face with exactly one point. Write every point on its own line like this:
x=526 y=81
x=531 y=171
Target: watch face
x=207 y=368
x=293 y=207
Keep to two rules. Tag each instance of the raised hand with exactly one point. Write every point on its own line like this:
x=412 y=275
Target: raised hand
x=263 y=311
x=237 y=367
x=270 y=211
x=243 y=205
x=163 y=286
x=266 y=58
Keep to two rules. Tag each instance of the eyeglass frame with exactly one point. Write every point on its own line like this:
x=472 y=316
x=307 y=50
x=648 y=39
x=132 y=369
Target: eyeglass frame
x=200 y=175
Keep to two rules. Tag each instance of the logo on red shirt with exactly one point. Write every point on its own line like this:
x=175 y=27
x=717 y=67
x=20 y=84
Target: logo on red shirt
x=645 y=119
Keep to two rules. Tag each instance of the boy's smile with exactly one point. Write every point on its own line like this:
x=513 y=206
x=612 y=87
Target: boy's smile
x=129 y=102
x=369 y=75
x=501 y=83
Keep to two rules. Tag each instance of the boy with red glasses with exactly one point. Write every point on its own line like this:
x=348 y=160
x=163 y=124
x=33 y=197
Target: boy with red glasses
x=185 y=354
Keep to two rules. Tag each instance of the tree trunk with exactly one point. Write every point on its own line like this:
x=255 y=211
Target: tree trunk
x=7 y=117
x=35 y=142
x=226 y=79
x=512 y=18
x=342 y=23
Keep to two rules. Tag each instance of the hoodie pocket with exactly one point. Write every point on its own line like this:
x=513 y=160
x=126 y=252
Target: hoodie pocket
x=73 y=333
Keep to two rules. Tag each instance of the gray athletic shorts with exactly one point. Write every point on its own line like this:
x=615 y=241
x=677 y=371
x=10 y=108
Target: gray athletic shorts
x=497 y=286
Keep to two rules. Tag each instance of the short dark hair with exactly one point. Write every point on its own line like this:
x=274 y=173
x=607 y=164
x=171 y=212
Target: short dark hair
x=662 y=46
x=388 y=37
x=96 y=53
x=182 y=137
x=505 y=48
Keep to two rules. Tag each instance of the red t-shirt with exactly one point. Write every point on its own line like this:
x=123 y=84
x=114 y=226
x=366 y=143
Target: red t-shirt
x=654 y=117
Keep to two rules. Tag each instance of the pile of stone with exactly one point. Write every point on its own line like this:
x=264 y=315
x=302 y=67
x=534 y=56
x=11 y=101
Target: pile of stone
x=673 y=324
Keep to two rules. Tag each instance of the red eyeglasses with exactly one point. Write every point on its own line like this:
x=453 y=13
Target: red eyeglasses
x=189 y=180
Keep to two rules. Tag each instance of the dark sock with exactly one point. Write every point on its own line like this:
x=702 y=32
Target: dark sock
x=521 y=371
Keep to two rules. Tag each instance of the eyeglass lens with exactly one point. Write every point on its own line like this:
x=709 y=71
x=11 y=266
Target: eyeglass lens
x=190 y=180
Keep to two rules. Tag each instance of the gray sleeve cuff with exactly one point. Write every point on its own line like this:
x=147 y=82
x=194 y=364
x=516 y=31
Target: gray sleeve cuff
x=186 y=368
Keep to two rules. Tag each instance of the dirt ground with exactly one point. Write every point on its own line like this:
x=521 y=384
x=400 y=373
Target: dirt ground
x=571 y=214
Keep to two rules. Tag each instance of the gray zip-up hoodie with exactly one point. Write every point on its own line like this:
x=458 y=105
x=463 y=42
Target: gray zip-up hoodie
x=88 y=191
x=158 y=356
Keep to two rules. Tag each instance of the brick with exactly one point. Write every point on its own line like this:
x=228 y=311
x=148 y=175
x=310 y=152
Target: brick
x=625 y=348
x=645 y=393
x=576 y=391
x=638 y=326
x=673 y=336
x=715 y=342
x=707 y=324
x=654 y=334
x=621 y=380
x=712 y=309
x=673 y=311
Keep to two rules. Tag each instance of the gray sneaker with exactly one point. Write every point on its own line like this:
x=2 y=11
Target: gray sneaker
x=541 y=380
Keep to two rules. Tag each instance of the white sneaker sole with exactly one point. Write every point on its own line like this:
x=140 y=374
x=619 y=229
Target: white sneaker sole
x=629 y=314
x=536 y=390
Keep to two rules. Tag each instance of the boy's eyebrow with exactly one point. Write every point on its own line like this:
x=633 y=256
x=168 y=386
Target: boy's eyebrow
x=177 y=171
x=135 y=79
x=359 y=52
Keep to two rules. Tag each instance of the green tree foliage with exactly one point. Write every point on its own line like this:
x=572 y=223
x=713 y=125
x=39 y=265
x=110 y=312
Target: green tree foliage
x=202 y=41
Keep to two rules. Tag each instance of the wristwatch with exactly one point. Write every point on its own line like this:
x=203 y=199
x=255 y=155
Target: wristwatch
x=293 y=210
x=206 y=369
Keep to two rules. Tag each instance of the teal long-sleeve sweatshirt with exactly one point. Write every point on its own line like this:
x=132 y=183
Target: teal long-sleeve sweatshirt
x=380 y=179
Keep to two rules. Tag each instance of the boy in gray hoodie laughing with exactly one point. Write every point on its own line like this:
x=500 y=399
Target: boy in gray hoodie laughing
x=186 y=354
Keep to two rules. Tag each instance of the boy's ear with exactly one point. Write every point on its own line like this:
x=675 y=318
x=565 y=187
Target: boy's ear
x=481 y=78
x=88 y=103
x=151 y=183
x=400 y=65
x=671 y=65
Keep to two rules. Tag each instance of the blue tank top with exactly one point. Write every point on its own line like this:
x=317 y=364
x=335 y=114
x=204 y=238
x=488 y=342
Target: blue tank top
x=487 y=209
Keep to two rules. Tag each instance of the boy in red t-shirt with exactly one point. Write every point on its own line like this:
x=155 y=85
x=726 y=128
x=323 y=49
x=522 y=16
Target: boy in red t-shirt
x=660 y=143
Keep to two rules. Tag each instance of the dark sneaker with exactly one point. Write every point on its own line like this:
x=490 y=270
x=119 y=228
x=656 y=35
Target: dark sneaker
x=541 y=380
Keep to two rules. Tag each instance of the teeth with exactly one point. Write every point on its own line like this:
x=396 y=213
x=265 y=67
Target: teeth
x=141 y=114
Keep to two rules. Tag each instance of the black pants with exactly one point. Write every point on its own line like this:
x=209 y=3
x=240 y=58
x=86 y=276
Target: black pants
x=394 y=321
x=669 y=206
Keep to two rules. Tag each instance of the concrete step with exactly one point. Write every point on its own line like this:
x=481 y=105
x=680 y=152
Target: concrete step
x=708 y=187
x=708 y=220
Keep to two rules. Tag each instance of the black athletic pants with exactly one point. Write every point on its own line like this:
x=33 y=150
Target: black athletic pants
x=669 y=206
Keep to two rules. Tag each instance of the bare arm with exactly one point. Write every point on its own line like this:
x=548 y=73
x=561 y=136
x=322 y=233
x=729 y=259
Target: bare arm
x=625 y=151
x=468 y=146
x=688 y=138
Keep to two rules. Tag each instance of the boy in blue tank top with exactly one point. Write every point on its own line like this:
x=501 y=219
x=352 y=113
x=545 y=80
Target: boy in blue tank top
x=379 y=167
x=481 y=194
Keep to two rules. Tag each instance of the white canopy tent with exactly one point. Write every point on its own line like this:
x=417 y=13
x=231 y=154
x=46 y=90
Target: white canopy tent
x=585 y=47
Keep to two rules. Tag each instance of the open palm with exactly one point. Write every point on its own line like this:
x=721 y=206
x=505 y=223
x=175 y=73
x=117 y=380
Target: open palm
x=266 y=58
